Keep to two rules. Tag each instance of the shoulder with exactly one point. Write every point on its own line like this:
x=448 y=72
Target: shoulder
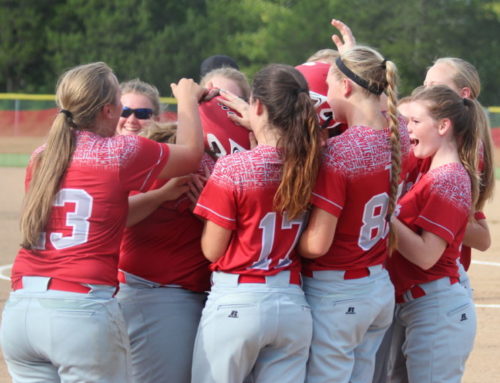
x=451 y=182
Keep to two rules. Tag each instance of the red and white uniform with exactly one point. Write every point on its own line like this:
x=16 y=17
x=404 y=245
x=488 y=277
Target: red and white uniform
x=222 y=135
x=165 y=246
x=353 y=185
x=440 y=204
x=81 y=241
x=239 y=197
x=257 y=277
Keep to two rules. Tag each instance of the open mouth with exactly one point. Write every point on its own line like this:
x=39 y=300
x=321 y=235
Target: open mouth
x=413 y=141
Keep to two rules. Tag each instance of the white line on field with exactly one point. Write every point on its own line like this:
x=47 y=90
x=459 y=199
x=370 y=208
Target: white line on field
x=2 y=269
x=485 y=263
x=489 y=306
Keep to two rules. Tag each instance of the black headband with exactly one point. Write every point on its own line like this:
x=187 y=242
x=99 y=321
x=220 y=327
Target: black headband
x=375 y=89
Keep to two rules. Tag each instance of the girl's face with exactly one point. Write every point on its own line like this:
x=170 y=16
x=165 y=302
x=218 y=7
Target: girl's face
x=132 y=124
x=335 y=90
x=423 y=129
x=441 y=74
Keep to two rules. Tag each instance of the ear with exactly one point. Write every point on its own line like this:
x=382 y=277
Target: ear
x=444 y=126
x=346 y=87
x=465 y=92
x=259 y=107
x=107 y=111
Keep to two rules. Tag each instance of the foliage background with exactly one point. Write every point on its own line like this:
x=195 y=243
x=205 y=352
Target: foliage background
x=161 y=41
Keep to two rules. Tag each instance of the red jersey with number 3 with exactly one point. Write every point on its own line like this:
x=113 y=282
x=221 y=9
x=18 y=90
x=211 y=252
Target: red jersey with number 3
x=165 y=246
x=82 y=238
x=439 y=203
x=353 y=185
x=239 y=197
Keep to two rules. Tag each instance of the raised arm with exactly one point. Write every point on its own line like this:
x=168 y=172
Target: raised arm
x=186 y=153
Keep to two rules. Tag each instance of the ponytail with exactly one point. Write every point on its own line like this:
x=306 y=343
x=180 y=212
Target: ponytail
x=284 y=92
x=301 y=149
x=48 y=168
x=468 y=147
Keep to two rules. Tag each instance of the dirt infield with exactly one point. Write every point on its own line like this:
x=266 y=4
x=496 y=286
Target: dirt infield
x=482 y=366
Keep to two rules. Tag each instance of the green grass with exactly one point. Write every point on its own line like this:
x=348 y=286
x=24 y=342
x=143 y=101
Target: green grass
x=14 y=160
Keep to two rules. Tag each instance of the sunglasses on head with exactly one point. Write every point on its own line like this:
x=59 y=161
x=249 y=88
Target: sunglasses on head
x=139 y=113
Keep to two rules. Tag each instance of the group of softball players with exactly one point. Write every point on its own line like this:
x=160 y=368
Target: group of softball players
x=331 y=231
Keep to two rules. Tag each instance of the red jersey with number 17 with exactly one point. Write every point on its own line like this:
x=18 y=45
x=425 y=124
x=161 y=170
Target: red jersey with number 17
x=239 y=197
x=353 y=185
x=81 y=241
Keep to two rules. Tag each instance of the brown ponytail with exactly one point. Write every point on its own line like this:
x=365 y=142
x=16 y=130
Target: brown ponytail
x=284 y=92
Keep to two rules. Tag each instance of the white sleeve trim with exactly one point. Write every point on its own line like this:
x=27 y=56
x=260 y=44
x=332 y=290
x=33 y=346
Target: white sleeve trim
x=438 y=225
x=327 y=200
x=217 y=214
x=148 y=176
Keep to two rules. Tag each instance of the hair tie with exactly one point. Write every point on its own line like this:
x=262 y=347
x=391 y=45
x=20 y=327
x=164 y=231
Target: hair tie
x=383 y=64
x=465 y=100
x=373 y=88
x=67 y=113
x=301 y=90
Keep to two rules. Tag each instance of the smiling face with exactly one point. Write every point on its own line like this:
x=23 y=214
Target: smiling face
x=131 y=124
x=423 y=129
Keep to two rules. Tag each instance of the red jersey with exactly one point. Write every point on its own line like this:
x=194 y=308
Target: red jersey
x=222 y=135
x=82 y=238
x=439 y=203
x=239 y=197
x=420 y=167
x=353 y=185
x=165 y=247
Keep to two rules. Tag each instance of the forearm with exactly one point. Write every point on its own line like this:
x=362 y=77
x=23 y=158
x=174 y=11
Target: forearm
x=189 y=132
x=142 y=205
x=422 y=250
x=477 y=235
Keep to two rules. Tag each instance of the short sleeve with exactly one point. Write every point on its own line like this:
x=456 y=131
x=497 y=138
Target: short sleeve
x=330 y=189
x=441 y=214
x=144 y=161
x=217 y=202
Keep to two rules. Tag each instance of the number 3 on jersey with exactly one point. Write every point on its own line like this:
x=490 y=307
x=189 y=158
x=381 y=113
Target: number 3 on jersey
x=77 y=220
x=268 y=227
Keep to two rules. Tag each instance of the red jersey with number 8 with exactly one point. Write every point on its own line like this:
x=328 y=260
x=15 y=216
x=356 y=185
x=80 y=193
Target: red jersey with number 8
x=353 y=185
x=81 y=241
x=239 y=197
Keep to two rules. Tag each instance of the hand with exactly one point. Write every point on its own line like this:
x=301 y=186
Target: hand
x=186 y=88
x=196 y=186
x=239 y=105
x=347 y=41
x=174 y=188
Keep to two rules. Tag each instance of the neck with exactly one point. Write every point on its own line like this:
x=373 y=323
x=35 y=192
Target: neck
x=446 y=154
x=267 y=136
x=365 y=111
